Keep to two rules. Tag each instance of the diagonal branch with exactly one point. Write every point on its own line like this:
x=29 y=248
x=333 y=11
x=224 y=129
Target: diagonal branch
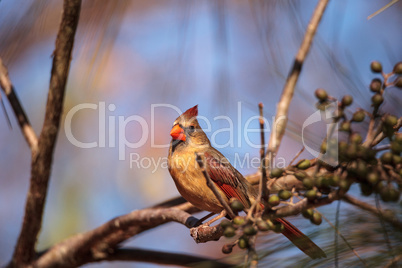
x=19 y=112
x=42 y=157
x=281 y=117
x=100 y=243
x=158 y=257
x=213 y=188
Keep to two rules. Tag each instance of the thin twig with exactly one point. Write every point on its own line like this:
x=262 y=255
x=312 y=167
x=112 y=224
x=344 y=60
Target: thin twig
x=213 y=188
x=370 y=132
x=263 y=192
x=384 y=228
x=3 y=107
x=388 y=218
x=344 y=240
x=19 y=111
x=393 y=262
x=263 y=183
x=378 y=138
x=336 y=248
x=382 y=9
x=297 y=155
x=282 y=110
x=42 y=158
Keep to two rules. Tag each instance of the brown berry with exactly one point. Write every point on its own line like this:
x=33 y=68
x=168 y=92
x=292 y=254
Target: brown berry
x=376 y=67
x=398 y=68
x=375 y=85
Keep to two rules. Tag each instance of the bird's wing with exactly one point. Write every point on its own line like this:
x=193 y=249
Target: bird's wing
x=226 y=177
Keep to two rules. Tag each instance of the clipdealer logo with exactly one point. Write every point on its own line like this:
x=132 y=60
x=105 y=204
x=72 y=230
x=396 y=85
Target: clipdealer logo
x=112 y=133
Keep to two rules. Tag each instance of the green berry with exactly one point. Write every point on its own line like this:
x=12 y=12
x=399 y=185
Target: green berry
x=344 y=185
x=390 y=120
x=239 y=220
x=398 y=137
x=356 y=138
x=396 y=147
x=262 y=225
x=351 y=151
x=316 y=219
x=358 y=116
x=250 y=230
x=278 y=227
x=361 y=168
x=377 y=100
x=321 y=182
x=311 y=194
x=270 y=224
x=276 y=172
x=308 y=213
x=284 y=194
x=342 y=146
x=304 y=164
x=345 y=126
x=386 y=158
x=243 y=242
x=396 y=159
x=308 y=183
x=273 y=200
x=323 y=147
x=300 y=175
x=373 y=178
x=229 y=232
x=236 y=205
x=225 y=223
x=347 y=100
x=376 y=67
x=334 y=180
x=321 y=94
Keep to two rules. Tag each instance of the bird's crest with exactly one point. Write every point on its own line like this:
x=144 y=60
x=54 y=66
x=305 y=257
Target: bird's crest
x=192 y=112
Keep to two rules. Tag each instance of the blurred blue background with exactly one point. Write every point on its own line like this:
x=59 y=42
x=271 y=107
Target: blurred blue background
x=225 y=56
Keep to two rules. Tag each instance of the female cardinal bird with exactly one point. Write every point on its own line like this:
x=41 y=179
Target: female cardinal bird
x=188 y=139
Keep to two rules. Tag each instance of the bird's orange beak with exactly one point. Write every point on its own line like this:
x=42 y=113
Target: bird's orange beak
x=177 y=133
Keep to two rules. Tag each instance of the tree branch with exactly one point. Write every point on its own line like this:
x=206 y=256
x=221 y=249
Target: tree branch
x=213 y=188
x=19 y=111
x=158 y=257
x=100 y=243
x=42 y=157
x=281 y=117
x=263 y=190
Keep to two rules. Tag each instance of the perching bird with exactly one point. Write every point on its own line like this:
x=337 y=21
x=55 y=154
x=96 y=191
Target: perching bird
x=188 y=139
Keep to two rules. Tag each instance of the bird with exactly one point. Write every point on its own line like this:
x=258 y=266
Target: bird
x=188 y=141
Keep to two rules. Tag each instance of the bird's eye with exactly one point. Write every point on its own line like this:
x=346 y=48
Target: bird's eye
x=191 y=128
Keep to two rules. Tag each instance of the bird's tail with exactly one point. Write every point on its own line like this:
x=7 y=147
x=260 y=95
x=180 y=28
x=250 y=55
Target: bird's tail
x=301 y=241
